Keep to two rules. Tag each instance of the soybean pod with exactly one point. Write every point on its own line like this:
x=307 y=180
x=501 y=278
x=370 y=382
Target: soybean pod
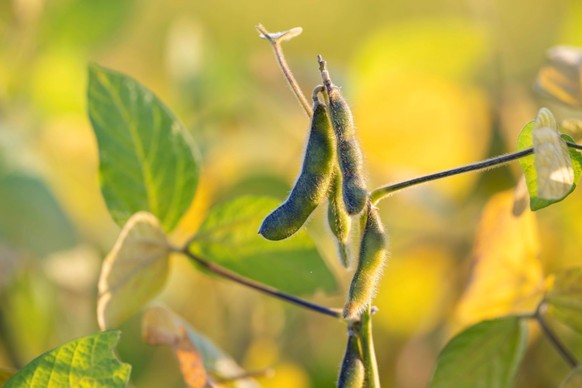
x=313 y=182
x=350 y=158
x=352 y=374
x=373 y=255
x=337 y=216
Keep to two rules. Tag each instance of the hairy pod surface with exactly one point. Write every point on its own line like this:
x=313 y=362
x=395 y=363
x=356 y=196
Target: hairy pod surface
x=373 y=255
x=350 y=158
x=311 y=185
x=352 y=373
x=338 y=217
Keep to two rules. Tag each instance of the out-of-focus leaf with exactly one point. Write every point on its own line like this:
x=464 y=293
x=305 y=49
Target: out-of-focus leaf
x=559 y=78
x=84 y=362
x=147 y=160
x=31 y=218
x=485 y=355
x=528 y=165
x=574 y=379
x=229 y=237
x=565 y=298
x=134 y=271
x=507 y=275
x=161 y=326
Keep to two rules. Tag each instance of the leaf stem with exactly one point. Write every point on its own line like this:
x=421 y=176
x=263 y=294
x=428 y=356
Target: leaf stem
x=549 y=333
x=275 y=41
x=382 y=192
x=364 y=332
x=224 y=273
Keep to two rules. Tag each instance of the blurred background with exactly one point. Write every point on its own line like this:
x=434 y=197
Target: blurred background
x=433 y=85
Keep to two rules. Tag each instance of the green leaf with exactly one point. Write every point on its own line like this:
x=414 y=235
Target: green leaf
x=147 y=161
x=574 y=379
x=134 y=271
x=229 y=236
x=32 y=219
x=564 y=299
x=84 y=362
x=524 y=141
x=484 y=355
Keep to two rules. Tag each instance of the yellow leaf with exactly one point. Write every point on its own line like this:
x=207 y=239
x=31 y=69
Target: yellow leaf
x=559 y=78
x=134 y=271
x=507 y=276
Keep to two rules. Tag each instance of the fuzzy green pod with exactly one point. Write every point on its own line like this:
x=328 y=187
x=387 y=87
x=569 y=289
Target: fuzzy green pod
x=349 y=154
x=352 y=374
x=311 y=185
x=373 y=255
x=338 y=217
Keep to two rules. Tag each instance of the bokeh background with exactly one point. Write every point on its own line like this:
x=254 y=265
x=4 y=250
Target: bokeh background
x=433 y=85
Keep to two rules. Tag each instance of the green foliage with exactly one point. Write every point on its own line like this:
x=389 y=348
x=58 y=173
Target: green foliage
x=84 y=362
x=32 y=219
x=524 y=141
x=564 y=299
x=484 y=355
x=147 y=160
x=229 y=237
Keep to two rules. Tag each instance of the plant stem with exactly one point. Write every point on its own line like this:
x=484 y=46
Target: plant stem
x=497 y=161
x=574 y=145
x=564 y=352
x=368 y=353
x=224 y=273
x=280 y=57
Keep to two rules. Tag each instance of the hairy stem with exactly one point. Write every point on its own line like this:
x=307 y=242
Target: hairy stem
x=549 y=333
x=368 y=353
x=280 y=57
x=497 y=161
x=224 y=273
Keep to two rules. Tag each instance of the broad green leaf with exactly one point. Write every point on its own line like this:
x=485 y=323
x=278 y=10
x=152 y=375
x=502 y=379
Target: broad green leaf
x=483 y=356
x=84 y=362
x=135 y=270
x=574 y=379
x=565 y=298
x=160 y=326
x=147 y=161
x=229 y=237
x=527 y=163
x=32 y=219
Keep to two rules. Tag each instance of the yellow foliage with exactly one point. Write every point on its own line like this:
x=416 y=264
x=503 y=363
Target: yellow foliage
x=413 y=289
x=507 y=275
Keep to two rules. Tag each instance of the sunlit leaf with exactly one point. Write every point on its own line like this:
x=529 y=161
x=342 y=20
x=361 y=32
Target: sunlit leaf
x=507 y=274
x=229 y=236
x=147 y=160
x=134 y=271
x=161 y=326
x=84 y=362
x=32 y=219
x=565 y=298
x=574 y=379
x=559 y=78
x=528 y=164
x=485 y=355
